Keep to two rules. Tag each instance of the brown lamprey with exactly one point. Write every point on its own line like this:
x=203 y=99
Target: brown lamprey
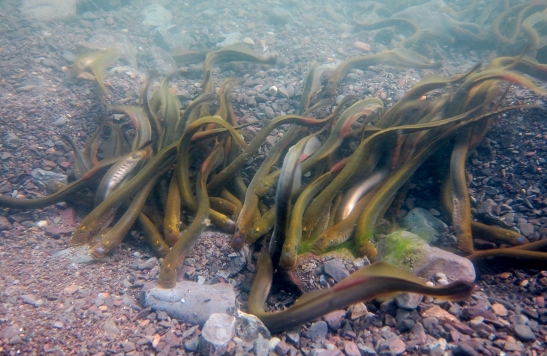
x=378 y=280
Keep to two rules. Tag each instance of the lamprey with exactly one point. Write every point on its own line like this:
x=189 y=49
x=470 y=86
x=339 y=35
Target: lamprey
x=97 y=219
x=37 y=203
x=289 y=181
x=398 y=57
x=124 y=169
x=378 y=280
x=115 y=235
x=171 y=219
x=98 y=62
x=174 y=259
x=461 y=205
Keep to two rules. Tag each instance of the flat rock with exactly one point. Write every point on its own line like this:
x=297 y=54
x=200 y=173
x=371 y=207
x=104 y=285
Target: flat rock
x=524 y=333
x=318 y=331
x=407 y=250
x=156 y=15
x=189 y=302
x=422 y=223
x=217 y=333
x=48 y=10
x=336 y=269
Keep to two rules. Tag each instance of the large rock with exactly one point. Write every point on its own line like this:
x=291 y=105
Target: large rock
x=217 y=333
x=189 y=302
x=156 y=15
x=48 y=10
x=407 y=250
x=424 y=224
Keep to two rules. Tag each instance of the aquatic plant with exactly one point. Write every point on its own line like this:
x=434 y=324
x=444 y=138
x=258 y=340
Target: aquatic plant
x=337 y=208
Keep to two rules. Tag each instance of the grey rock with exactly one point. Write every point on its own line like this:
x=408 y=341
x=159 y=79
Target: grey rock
x=155 y=15
x=269 y=112
x=192 y=344
x=524 y=333
x=189 y=302
x=422 y=223
x=334 y=319
x=294 y=336
x=78 y=254
x=48 y=10
x=9 y=331
x=217 y=333
x=407 y=250
x=238 y=261
x=230 y=39
x=31 y=299
x=490 y=190
x=282 y=348
x=336 y=269
x=279 y=16
x=12 y=141
x=209 y=13
x=525 y=227
x=171 y=38
x=486 y=207
x=318 y=330
x=366 y=350
x=408 y=300
x=47 y=176
x=61 y=121
x=162 y=61
x=248 y=327
x=111 y=329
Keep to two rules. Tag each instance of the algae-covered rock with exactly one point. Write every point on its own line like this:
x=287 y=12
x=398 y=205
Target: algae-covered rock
x=407 y=250
x=424 y=224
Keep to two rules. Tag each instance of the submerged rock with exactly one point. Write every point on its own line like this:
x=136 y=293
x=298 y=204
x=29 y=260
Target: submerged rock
x=407 y=250
x=217 y=333
x=422 y=223
x=156 y=15
x=48 y=10
x=189 y=302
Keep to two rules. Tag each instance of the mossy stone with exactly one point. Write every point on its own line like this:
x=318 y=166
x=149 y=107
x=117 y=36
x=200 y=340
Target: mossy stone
x=402 y=248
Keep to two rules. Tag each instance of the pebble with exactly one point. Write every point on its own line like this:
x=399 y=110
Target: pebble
x=270 y=114
x=358 y=310
x=71 y=289
x=396 y=345
x=499 y=309
x=438 y=313
x=334 y=319
x=408 y=300
x=351 y=349
x=318 y=330
x=336 y=269
x=524 y=333
x=248 y=41
x=217 y=333
x=362 y=46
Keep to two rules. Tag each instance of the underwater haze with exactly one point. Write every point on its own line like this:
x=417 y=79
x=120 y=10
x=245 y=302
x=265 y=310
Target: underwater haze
x=273 y=177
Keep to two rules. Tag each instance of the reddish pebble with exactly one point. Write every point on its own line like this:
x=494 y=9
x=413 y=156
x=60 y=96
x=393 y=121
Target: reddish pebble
x=351 y=349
